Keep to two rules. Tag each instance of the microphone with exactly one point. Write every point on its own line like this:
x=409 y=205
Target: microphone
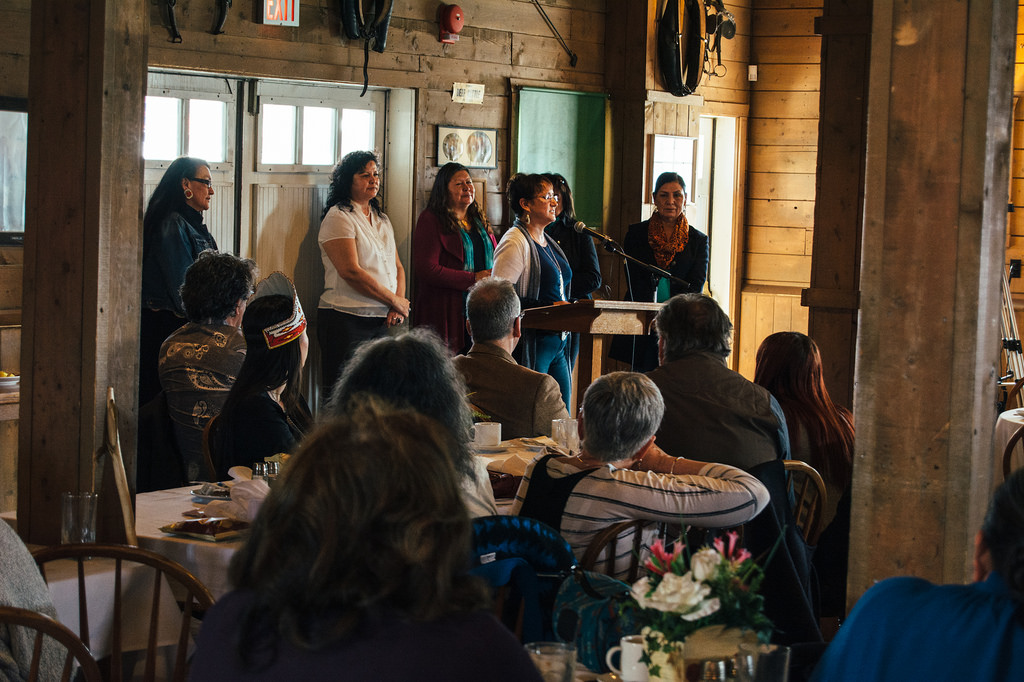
x=583 y=229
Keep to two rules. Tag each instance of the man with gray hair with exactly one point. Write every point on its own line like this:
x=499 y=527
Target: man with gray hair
x=711 y=412
x=522 y=400
x=622 y=475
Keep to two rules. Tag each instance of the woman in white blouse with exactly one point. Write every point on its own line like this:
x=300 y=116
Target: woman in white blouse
x=364 y=281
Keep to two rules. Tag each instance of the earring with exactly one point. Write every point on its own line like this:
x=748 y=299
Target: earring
x=526 y=217
x=188 y=193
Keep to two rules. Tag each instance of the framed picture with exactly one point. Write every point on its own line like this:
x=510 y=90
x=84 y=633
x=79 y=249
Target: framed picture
x=472 y=147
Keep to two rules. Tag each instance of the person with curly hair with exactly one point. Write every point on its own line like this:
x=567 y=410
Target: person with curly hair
x=452 y=248
x=364 y=280
x=355 y=567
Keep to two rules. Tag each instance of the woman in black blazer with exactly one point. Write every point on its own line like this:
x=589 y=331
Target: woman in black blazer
x=668 y=241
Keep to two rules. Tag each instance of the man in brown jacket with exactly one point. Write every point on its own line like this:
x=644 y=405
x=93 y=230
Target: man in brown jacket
x=524 y=401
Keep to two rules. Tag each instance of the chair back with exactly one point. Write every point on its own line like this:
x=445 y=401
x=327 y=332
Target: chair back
x=1008 y=451
x=208 y=432
x=1014 y=396
x=197 y=599
x=524 y=560
x=44 y=626
x=807 y=489
x=631 y=535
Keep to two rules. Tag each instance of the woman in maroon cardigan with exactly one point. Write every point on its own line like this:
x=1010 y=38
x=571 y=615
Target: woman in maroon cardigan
x=452 y=248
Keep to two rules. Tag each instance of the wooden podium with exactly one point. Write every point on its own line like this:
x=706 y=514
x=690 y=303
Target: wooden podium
x=594 y=321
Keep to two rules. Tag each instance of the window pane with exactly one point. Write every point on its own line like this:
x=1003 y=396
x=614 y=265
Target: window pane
x=161 y=134
x=356 y=130
x=206 y=128
x=13 y=169
x=318 y=136
x=277 y=134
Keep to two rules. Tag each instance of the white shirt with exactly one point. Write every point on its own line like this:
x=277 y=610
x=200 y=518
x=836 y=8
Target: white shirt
x=375 y=253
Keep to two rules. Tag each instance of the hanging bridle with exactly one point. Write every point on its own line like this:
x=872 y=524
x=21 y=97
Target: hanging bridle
x=369 y=27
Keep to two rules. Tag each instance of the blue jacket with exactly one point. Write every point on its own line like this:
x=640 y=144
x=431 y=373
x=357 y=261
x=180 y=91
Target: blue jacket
x=167 y=251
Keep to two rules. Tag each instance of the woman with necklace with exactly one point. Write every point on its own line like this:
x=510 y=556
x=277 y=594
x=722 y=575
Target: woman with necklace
x=452 y=249
x=265 y=414
x=668 y=241
x=532 y=261
x=364 y=281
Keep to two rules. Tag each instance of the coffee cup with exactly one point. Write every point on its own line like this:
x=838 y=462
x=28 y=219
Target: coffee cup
x=630 y=652
x=487 y=434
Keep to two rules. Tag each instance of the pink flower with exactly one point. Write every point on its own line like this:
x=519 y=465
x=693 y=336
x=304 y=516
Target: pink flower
x=661 y=561
x=735 y=557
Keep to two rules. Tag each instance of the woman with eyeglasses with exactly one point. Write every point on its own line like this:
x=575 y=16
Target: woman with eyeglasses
x=173 y=236
x=534 y=262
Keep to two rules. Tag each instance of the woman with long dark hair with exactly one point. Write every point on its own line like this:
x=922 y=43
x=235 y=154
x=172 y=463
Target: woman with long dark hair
x=820 y=432
x=452 y=249
x=364 y=280
x=667 y=240
x=173 y=236
x=537 y=267
x=265 y=413
x=355 y=567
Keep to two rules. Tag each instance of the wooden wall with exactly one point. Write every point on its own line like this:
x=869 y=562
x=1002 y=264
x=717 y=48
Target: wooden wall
x=781 y=156
x=1015 y=220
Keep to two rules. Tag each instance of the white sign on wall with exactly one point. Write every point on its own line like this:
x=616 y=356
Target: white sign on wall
x=281 y=12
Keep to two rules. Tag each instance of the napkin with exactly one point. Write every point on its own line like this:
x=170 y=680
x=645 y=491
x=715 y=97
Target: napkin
x=246 y=498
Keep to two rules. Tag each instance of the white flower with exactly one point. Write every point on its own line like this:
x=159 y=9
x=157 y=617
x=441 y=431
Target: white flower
x=705 y=608
x=675 y=593
x=704 y=563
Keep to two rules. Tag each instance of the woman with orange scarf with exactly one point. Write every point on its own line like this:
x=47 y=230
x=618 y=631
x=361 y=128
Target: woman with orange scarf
x=668 y=241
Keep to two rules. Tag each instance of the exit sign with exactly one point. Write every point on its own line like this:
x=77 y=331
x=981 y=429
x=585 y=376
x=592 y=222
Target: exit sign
x=281 y=12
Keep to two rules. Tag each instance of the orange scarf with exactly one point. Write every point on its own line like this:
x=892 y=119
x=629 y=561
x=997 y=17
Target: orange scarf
x=666 y=249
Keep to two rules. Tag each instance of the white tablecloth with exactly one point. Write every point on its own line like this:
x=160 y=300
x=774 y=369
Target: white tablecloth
x=208 y=561
x=1006 y=426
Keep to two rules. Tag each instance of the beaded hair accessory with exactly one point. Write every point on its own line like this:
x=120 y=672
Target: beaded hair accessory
x=291 y=328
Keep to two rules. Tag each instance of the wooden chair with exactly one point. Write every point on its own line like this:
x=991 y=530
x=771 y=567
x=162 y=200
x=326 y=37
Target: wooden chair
x=1011 y=445
x=1013 y=396
x=44 y=626
x=207 y=453
x=197 y=599
x=806 y=486
x=608 y=539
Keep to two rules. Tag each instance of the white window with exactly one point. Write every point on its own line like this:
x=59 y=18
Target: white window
x=175 y=126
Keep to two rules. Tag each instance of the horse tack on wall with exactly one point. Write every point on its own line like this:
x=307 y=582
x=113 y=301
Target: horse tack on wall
x=687 y=31
x=218 y=27
x=371 y=26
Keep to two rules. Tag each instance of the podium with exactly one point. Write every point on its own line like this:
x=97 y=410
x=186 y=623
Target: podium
x=594 y=321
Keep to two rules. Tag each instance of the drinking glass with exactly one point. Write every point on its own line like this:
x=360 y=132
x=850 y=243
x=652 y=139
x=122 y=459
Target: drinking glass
x=77 y=518
x=556 y=661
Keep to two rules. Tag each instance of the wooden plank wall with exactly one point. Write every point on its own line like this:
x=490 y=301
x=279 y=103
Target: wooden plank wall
x=781 y=156
x=1015 y=220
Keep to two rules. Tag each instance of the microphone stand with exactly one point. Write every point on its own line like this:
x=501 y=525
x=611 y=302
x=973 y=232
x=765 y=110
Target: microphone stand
x=612 y=246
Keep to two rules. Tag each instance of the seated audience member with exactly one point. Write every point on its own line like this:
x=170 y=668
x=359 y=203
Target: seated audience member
x=414 y=370
x=621 y=475
x=524 y=401
x=265 y=414
x=711 y=412
x=22 y=585
x=820 y=432
x=909 y=629
x=354 y=567
x=199 y=362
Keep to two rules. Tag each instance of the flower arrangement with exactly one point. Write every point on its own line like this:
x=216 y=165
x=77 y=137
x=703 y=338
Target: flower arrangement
x=684 y=593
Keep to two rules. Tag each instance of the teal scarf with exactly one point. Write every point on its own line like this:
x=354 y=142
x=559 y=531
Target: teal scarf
x=467 y=247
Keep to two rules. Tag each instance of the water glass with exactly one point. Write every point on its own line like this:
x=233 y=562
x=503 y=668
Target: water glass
x=556 y=661
x=566 y=434
x=78 y=518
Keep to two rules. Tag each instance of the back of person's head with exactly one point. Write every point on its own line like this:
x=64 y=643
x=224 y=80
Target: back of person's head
x=621 y=411
x=561 y=185
x=524 y=186
x=1003 y=531
x=266 y=368
x=214 y=284
x=693 y=323
x=492 y=308
x=366 y=518
x=789 y=364
x=411 y=370
x=169 y=195
x=340 y=189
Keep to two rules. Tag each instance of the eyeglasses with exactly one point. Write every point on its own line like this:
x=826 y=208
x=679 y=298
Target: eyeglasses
x=208 y=183
x=547 y=197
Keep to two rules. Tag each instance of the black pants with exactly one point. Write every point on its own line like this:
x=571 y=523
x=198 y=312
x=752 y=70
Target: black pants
x=339 y=333
x=156 y=326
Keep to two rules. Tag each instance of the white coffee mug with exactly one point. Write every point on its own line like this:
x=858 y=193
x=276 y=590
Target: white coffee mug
x=630 y=652
x=487 y=434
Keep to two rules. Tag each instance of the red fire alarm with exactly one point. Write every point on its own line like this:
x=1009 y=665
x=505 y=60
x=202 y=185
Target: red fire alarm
x=451 y=19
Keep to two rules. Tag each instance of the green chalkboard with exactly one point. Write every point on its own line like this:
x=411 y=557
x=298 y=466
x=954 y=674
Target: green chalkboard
x=563 y=131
